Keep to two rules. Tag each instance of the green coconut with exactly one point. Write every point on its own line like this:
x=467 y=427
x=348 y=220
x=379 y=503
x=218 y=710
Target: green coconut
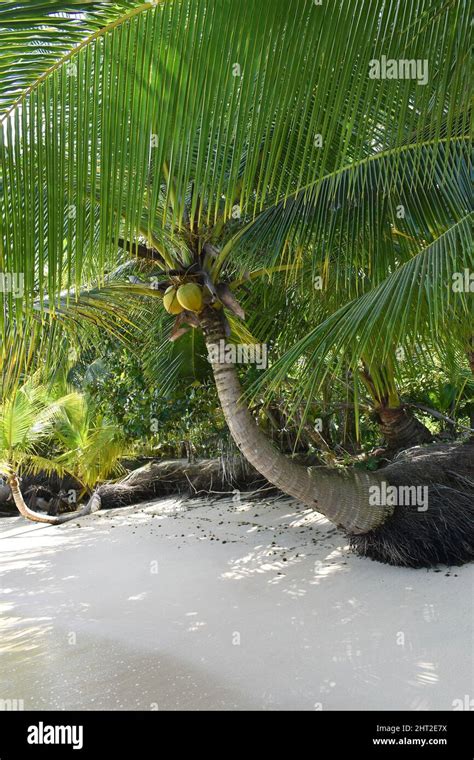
x=170 y=301
x=190 y=297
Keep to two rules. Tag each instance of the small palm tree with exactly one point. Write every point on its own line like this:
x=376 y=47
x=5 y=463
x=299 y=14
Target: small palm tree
x=92 y=445
x=33 y=420
x=28 y=419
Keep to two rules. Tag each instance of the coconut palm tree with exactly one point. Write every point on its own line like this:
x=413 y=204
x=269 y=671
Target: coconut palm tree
x=35 y=421
x=213 y=139
x=28 y=421
x=92 y=445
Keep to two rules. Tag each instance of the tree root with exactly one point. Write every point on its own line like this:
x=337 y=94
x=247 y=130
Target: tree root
x=444 y=532
x=93 y=505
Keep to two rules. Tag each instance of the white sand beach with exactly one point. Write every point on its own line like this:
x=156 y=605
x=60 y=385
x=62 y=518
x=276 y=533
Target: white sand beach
x=223 y=604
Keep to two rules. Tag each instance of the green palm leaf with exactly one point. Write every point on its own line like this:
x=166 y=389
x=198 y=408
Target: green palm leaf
x=209 y=105
x=36 y=34
x=424 y=302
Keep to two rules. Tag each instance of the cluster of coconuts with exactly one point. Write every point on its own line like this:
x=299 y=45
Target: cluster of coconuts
x=188 y=297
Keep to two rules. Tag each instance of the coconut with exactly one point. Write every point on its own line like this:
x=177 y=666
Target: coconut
x=190 y=297
x=170 y=302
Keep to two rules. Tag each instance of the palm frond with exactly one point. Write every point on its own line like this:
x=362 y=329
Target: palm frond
x=425 y=301
x=34 y=35
x=181 y=111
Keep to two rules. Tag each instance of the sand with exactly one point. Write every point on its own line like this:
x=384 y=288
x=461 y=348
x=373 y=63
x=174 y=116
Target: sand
x=225 y=605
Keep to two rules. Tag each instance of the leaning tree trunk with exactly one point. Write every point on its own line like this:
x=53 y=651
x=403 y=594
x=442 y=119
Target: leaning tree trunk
x=93 y=505
x=398 y=426
x=401 y=429
x=342 y=496
x=398 y=535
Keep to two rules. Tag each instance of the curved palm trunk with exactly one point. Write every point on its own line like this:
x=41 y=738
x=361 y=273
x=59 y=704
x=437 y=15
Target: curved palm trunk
x=342 y=496
x=400 y=535
x=93 y=505
x=401 y=429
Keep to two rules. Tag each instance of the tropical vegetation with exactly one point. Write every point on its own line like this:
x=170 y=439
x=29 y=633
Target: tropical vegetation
x=186 y=176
